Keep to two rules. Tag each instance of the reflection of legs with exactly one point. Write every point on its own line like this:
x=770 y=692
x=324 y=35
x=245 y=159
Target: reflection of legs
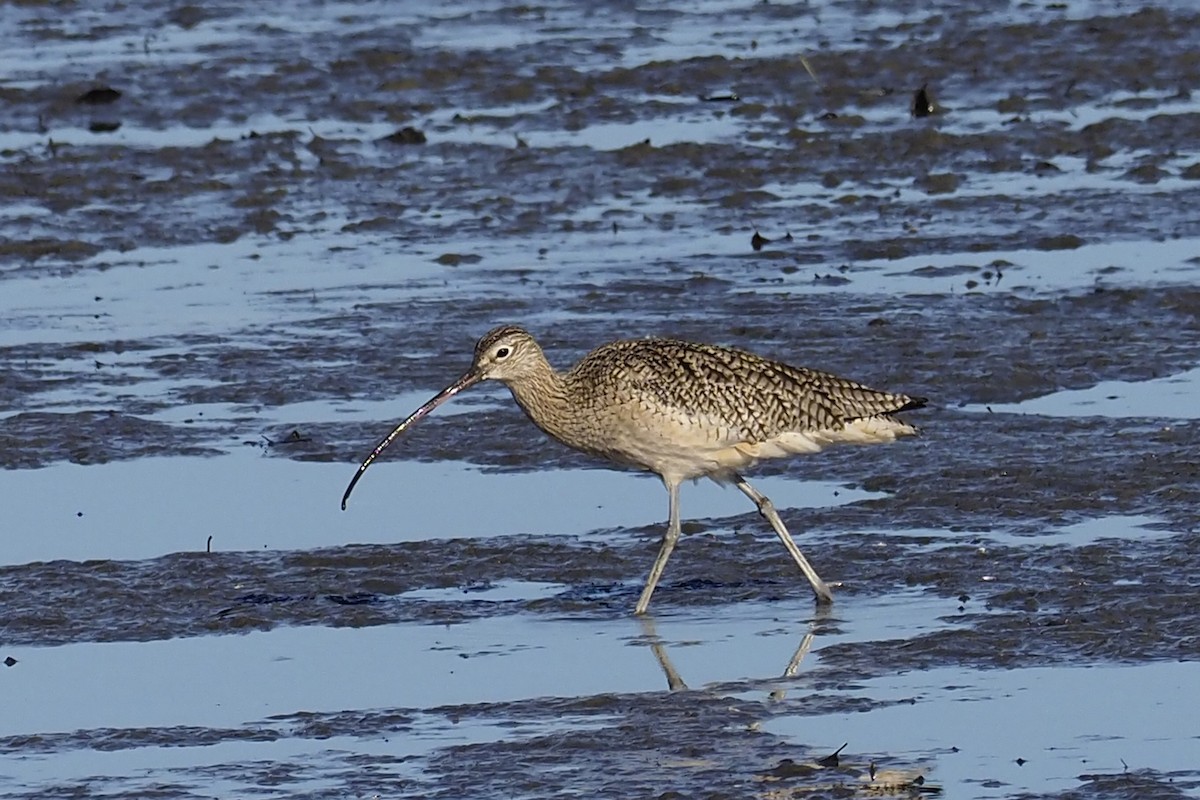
x=674 y=682
x=794 y=665
x=767 y=509
x=798 y=656
x=668 y=544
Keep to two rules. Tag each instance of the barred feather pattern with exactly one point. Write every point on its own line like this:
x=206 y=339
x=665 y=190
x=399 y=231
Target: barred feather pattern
x=685 y=409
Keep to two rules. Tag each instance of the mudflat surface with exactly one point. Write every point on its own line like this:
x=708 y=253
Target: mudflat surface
x=236 y=247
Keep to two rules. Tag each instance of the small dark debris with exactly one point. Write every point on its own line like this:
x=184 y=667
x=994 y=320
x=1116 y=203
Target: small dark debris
x=923 y=105
x=1021 y=762
x=940 y=183
x=295 y=437
x=1146 y=173
x=188 y=16
x=918 y=785
x=103 y=126
x=828 y=115
x=356 y=599
x=79 y=513
x=758 y=240
x=1013 y=104
x=9 y=661
x=1066 y=241
x=788 y=768
x=727 y=97
x=832 y=759
x=454 y=259
x=265 y=599
x=406 y=135
x=99 y=96
x=830 y=280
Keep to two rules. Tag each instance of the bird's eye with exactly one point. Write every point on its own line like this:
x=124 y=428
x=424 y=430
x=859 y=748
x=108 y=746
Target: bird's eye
x=502 y=353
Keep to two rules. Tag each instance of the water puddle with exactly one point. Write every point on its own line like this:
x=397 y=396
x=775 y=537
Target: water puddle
x=402 y=694
x=497 y=592
x=695 y=127
x=1137 y=262
x=149 y=507
x=455 y=125
x=233 y=680
x=985 y=114
x=133 y=136
x=1000 y=732
x=1080 y=534
x=1171 y=398
x=203 y=289
x=232 y=768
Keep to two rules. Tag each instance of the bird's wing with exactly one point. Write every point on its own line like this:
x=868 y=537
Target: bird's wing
x=747 y=397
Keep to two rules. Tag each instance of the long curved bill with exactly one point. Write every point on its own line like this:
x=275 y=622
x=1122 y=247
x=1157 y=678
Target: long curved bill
x=467 y=380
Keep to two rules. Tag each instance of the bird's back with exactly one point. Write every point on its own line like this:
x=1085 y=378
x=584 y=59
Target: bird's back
x=719 y=407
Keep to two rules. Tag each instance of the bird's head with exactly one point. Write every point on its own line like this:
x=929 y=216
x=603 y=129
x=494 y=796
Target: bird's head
x=507 y=354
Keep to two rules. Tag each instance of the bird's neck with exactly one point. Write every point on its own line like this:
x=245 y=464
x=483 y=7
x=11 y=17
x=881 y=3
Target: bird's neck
x=544 y=396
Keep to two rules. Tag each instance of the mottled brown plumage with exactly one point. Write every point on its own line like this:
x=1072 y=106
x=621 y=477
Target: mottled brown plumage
x=682 y=410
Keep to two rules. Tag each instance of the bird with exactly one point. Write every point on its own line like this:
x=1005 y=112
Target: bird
x=682 y=410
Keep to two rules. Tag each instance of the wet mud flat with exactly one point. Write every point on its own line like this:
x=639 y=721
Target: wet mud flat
x=217 y=294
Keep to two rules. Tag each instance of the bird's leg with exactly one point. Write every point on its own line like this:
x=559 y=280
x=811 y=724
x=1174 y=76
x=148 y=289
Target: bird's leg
x=767 y=509
x=668 y=544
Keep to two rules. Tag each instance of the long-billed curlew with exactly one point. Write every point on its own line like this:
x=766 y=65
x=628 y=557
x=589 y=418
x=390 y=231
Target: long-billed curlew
x=682 y=410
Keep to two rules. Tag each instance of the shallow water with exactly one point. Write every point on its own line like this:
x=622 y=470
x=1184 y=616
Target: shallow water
x=216 y=295
x=1169 y=398
x=223 y=689
x=104 y=511
x=988 y=734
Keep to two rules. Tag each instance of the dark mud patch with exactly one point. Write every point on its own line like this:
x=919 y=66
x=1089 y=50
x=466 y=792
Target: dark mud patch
x=286 y=148
x=35 y=439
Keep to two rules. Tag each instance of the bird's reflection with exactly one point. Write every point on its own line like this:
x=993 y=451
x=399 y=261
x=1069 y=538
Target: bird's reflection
x=650 y=632
x=675 y=681
x=846 y=775
x=778 y=693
